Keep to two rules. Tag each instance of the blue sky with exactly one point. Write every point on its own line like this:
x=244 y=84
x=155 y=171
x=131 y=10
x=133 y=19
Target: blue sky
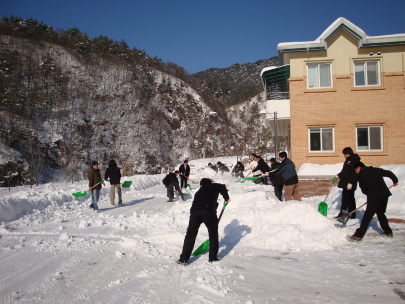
x=199 y=35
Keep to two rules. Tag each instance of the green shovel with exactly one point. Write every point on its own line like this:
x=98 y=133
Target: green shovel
x=126 y=184
x=242 y=180
x=206 y=244
x=83 y=193
x=323 y=206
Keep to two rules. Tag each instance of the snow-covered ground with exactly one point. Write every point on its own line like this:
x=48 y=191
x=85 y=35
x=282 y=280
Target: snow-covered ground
x=55 y=249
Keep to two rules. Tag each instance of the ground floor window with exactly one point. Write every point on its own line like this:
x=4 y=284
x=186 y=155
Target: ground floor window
x=321 y=139
x=369 y=138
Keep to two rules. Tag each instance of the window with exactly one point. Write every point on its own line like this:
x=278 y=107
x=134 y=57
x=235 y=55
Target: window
x=366 y=73
x=321 y=140
x=369 y=138
x=319 y=75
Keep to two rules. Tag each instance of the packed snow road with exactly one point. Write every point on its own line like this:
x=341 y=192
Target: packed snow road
x=272 y=251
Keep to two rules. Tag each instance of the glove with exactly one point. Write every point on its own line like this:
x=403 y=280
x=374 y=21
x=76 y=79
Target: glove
x=349 y=186
x=395 y=184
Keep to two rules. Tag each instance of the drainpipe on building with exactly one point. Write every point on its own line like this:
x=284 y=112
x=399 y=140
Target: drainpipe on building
x=275 y=135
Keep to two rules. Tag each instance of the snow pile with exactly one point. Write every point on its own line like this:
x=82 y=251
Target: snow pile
x=255 y=218
x=314 y=169
x=23 y=200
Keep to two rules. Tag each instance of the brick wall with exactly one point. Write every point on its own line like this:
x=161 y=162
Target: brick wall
x=343 y=107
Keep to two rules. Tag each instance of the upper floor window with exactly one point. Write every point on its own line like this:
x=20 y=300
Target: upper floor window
x=321 y=140
x=369 y=138
x=366 y=73
x=319 y=75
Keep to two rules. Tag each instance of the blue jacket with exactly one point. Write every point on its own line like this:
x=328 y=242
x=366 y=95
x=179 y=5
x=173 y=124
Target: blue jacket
x=287 y=172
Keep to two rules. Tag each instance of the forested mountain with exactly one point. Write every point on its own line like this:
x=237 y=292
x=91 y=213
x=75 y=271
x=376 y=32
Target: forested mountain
x=235 y=84
x=67 y=99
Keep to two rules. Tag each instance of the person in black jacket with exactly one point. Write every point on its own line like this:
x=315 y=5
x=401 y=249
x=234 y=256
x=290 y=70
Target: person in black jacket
x=348 y=182
x=372 y=184
x=114 y=173
x=238 y=170
x=213 y=167
x=184 y=171
x=204 y=210
x=222 y=167
x=289 y=176
x=277 y=181
x=262 y=166
x=171 y=182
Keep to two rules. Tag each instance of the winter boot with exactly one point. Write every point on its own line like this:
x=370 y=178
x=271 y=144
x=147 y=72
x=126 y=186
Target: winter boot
x=180 y=262
x=387 y=235
x=354 y=239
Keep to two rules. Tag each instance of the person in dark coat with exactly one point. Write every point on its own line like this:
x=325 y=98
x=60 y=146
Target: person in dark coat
x=372 y=184
x=277 y=181
x=222 y=167
x=215 y=168
x=94 y=177
x=263 y=167
x=171 y=182
x=290 y=178
x=204 y=210
x=238 y=170
x=348 y=182
x=184 y=171
x=114 y=173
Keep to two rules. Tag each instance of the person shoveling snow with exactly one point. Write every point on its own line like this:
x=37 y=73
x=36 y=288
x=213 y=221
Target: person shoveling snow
x=372 y=184
x=204 y=210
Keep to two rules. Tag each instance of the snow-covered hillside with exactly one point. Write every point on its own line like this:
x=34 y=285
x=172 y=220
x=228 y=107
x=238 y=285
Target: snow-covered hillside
x=54 y=249
x=61 y=111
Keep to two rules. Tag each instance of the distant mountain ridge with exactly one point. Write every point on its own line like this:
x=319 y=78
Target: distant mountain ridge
x=234 y=84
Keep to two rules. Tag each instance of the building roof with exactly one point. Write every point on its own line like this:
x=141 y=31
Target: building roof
x=321 y=43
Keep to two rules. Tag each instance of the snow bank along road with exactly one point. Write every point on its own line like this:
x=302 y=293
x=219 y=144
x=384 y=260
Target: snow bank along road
x=54 y=249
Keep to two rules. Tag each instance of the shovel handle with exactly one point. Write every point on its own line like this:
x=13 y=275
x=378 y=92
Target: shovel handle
x=102 y=181
x=330 y=189
x=222 y=211
x=366 y=203
x=267 y=173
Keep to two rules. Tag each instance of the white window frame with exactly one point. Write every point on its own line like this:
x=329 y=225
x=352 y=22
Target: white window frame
x=368 y=133
x=321 y=151
x=319 y=76
x=365 y=73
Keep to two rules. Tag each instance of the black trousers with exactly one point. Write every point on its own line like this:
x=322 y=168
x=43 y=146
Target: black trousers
x=183 y=181
x=378 y=206
x=209 y=218
x=278 y=191
x=170 y=190
x=348 y=201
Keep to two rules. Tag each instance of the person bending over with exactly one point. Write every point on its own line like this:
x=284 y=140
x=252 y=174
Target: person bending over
x=204 y=210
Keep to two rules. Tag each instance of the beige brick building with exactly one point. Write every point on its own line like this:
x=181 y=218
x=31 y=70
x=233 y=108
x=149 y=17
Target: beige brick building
x=346 y=89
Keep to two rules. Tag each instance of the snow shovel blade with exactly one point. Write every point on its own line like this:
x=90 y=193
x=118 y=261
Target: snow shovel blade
x=188 y=185
x=250 y=178
x=126 y=184
x=242 y=180
x=323 y=208
x=202 y=248
x=345 y=217
x=79 y=194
